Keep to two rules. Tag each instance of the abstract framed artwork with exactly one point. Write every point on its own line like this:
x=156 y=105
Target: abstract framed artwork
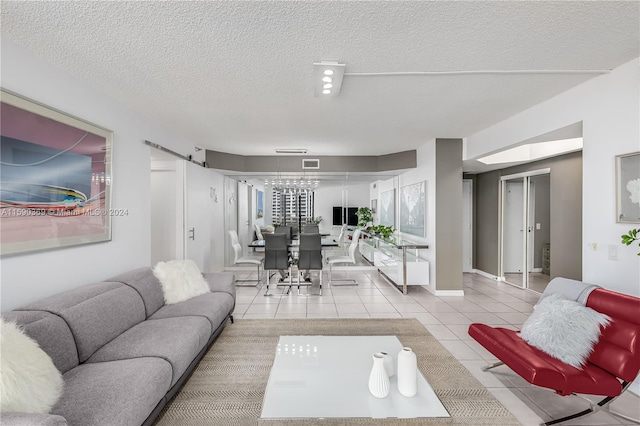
x=259 y=203
x=387 y=208
x=628 y=188
x=412 y=209
x=55 y=180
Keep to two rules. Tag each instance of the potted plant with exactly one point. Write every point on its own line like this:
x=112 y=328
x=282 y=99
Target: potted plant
x=365 y=216
x=630 y=237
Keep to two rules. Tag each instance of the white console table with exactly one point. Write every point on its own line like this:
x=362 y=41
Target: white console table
x=397 y=259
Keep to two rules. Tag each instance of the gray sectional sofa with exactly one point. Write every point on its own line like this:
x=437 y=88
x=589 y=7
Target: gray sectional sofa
x=122 y=352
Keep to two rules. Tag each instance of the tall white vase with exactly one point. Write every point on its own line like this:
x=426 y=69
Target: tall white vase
x=379 y=384
x=389 y=364
x=407 y=372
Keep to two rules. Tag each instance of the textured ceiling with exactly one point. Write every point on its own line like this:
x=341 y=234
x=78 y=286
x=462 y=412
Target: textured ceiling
x=237 y=76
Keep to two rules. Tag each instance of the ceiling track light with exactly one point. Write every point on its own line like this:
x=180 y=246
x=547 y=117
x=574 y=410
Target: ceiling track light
x=327 y=78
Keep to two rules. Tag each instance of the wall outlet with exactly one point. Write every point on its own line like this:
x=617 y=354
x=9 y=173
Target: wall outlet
x=593 y=246
x=613 y=252
x=538 y=226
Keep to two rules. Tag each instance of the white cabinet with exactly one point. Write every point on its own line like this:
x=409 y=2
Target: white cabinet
x=396 y=259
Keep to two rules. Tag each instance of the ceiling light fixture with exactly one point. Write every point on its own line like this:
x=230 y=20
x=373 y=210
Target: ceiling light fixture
x=327 y=76
x=291 y=150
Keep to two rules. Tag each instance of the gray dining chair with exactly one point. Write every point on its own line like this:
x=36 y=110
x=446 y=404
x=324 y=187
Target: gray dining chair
x=240 y=259
x=276 y=257
x=309 y=257
x=310 y=229
x=286 y=230
x=350 y=258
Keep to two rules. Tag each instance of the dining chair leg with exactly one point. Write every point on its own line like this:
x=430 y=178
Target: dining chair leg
x=320 y=272
x=268 y=279
x=346 y=281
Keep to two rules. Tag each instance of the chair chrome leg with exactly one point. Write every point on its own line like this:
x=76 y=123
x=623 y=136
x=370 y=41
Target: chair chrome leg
x=268 y=281
x=257 y=281
x=320 y=272
x=339 y=283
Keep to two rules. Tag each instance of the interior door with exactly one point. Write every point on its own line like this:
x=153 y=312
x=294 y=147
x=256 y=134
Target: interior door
x=539 y=225
x=198 y=215
x=514 y=231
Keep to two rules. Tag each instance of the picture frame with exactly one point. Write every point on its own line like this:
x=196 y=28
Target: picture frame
x=628 y=188
x=374 y=206
x=55 y=187
x=413 y=202
x=259 y=203
x=387 y=208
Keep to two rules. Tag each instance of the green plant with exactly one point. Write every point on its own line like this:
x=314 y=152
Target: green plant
x=631 y=237
x=365 y=216
x=384 y=231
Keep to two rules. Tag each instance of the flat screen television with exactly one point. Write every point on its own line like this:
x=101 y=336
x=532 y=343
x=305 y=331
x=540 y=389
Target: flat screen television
x=349 y=212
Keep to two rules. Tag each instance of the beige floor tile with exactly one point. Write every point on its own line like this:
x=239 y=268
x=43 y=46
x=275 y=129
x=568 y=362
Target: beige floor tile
x=495 y=307
x=297 y=308
x=322 y=308
x=441 y=332
x=485 y=318
x=409 y=307
x=379 y=307
x=262 y=309
x=437 y=307
x=361 y=315
x=346 y=299
x=423 y=317
x=385 y=315
x=452 y=318
x=351 y=308
x=460 y=350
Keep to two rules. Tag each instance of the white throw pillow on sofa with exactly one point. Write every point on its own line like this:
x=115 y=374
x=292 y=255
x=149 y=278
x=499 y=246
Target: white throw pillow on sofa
x=29 y=381
x=181 y=280
x=564 y=329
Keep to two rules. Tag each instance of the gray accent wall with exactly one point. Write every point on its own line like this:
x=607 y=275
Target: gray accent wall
x=448 y=214
x=565 y=207
x=328 y=163
x=486 y=238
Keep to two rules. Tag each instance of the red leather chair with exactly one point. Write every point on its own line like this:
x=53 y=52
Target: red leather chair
x=609 y=371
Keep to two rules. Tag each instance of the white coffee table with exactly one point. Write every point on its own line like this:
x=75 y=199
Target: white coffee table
x=327 y=376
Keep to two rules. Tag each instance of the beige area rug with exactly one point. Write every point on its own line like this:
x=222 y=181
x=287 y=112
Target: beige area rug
x=229 y=384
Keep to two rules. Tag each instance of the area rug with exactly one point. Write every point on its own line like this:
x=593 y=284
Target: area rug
x=228 y=386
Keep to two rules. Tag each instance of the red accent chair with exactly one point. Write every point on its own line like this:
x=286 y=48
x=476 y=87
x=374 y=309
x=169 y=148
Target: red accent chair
x=609 y=371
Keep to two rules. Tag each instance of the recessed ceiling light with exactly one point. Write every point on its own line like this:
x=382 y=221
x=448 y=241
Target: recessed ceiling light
x=327 y=75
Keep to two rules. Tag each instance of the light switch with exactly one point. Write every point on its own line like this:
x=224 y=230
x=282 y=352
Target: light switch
x=538 y=226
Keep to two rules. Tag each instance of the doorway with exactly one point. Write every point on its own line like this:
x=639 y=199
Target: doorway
x=526 y=220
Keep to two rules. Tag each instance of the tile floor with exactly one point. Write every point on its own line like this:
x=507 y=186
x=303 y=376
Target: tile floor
x=447 y=318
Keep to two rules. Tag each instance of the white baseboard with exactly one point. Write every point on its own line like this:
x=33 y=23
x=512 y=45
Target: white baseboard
x=536 y=269
x=449 y=293
x=488 y=275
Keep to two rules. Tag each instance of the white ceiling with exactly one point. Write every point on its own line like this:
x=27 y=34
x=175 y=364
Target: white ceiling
x=237 y=76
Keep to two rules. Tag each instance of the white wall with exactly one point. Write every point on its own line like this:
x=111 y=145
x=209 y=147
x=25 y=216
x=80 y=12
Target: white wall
x=609 y=107
x=26 y=278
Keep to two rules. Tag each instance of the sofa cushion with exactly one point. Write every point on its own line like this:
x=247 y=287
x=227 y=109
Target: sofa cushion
x=213 y=306
x=29 y=381
x=221 y=282
x=95 y=313
x=180 y=279
x=113 y=393
x=176 y=340
x=52 y=334
x=147 y=285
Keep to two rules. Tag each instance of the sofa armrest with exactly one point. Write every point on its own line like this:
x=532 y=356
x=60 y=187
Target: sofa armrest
x=31 y=419
x=221 y=282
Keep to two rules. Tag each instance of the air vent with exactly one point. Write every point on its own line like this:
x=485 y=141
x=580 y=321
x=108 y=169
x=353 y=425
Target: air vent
x=308 y=163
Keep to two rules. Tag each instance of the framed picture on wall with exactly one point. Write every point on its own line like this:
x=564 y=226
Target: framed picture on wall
x=412 y=209
x=56 y=178
x=259 y=203
x=628 y=188
x=387 y=211
x=374 y=206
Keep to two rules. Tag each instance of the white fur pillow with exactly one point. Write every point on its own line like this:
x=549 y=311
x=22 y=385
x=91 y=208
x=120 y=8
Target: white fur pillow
x=564 y=329
x=181 y=280
x=29 y=381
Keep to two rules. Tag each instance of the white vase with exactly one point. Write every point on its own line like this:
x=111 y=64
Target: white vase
x=388 y=364
x=379 y=384
x=407 y=372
